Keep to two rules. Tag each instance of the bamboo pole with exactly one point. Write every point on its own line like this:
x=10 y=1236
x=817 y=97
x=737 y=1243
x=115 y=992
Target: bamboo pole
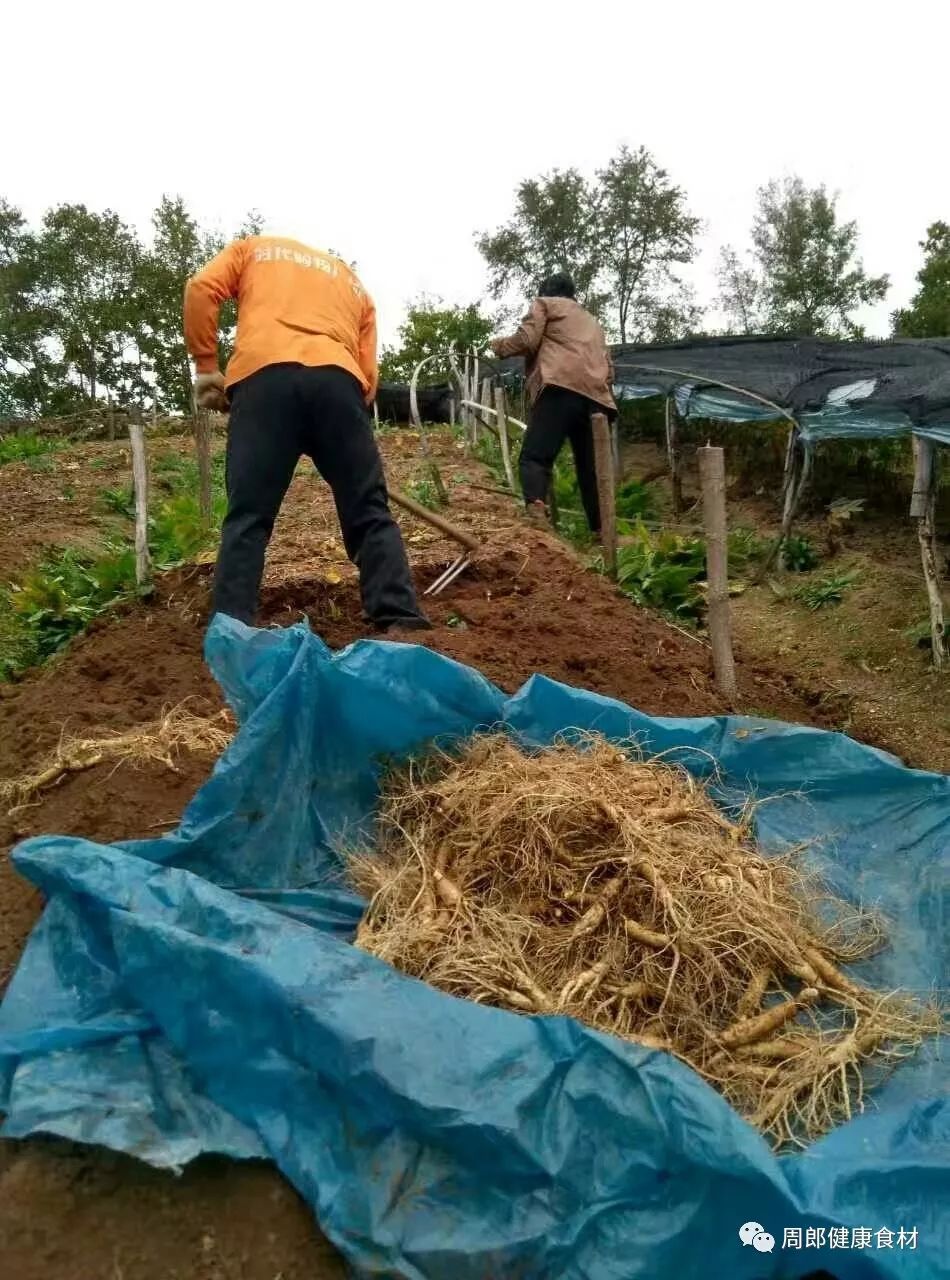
x=143 y=568
x=798 y=465
x=923 y=505
x=606 y=489
x=712 y=472
x=501 y=420
x=486 y=409
x=468 y=417
x=203 y=452
x=430 y=463
x=673 y=457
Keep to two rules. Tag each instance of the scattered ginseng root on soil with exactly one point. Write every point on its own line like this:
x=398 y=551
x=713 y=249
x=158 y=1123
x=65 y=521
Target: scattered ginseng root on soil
x=585 y=880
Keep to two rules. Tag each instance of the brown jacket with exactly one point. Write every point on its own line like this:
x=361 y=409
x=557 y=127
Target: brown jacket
x=563 y=346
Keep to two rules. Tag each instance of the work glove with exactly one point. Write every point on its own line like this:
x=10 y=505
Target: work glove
x=209 y=392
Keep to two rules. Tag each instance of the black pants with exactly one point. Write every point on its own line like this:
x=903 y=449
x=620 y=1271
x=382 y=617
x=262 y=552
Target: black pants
x=559 y=415
x=277 y=415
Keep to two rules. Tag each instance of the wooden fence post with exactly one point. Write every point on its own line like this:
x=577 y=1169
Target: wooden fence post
x=673 y=457
x=203 y=452
x=712 y=472
x=606 y=489
x=501 y=421
x=923 y=505
x=143 y=568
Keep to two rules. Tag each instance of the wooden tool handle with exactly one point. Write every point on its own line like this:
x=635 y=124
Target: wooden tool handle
x=437 y=521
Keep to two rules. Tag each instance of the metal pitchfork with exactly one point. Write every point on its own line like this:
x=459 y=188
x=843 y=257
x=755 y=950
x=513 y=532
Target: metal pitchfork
x=469 y=544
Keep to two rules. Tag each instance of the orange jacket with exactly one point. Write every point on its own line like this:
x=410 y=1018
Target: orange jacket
x=295 y=304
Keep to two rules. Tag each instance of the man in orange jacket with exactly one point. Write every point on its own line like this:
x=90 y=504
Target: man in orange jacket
x=302 y=374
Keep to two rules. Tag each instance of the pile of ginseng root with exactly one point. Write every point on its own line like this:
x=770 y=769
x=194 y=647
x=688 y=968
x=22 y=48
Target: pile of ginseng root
x=585 y=880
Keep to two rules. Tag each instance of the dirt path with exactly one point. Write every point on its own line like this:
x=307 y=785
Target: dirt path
x=67 y=1213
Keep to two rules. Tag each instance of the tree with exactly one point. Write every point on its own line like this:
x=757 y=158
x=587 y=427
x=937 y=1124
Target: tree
x=643 y=230
x=928 y=315
x=431 y=328
x=620 y=236
x=740 y=293
x=25 y=366
x=86 y=267
x=86 y=311
x=811 y=279
x=178 y=249
x=554 y=228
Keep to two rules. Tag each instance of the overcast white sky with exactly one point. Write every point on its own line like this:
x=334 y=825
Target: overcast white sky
x=394 y=132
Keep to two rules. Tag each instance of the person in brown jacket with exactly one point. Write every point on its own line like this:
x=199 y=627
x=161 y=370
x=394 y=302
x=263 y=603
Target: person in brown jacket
x=569 y=377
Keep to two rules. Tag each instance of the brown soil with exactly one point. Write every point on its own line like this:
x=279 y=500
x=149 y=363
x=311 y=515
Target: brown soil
x=68 y=1213
x=73 y=1214
x=54 y=500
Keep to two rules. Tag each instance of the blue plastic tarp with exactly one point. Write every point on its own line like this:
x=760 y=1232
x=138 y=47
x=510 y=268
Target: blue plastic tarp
x=200 y=993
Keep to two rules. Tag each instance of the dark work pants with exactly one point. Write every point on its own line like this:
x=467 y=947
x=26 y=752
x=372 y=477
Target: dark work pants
x=278 y=414
x=559 y=415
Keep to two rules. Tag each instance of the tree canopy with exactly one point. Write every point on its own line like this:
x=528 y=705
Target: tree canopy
x=89 y=312
x=621 y=237
x=804 y=275
x=431 y=328
x=928 y=315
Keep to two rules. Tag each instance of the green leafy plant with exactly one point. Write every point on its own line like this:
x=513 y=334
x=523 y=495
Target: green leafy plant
x=636 y=500
x=664 y=572
x=423 y=489
x=120 y=502
x=827 y=590
x=24 y=448
x=799 y=555
x=59 y=598
x=177 y=532
x=745 y=548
